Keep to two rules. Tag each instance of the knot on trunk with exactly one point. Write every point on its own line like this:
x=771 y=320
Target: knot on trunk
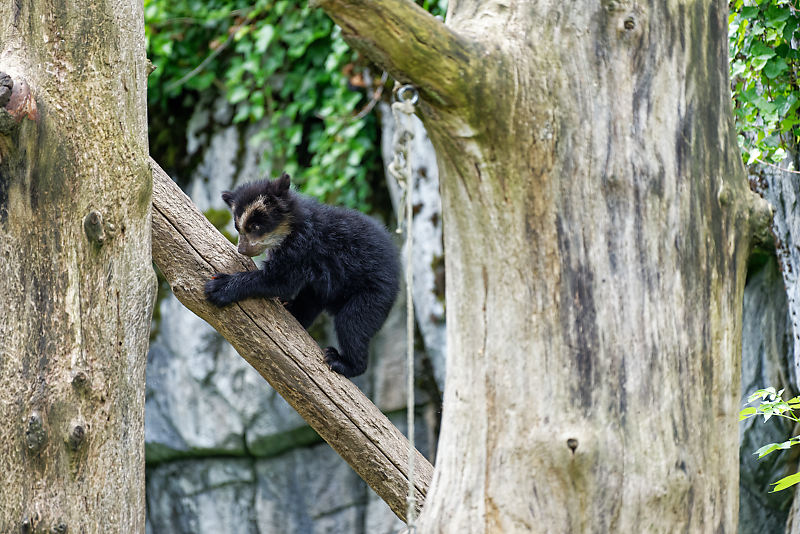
x=16 y=103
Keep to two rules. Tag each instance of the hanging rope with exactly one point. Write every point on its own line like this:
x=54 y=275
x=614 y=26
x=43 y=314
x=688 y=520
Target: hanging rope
x=400 y=167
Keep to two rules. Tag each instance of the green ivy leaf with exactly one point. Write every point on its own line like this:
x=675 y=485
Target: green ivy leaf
x=775 y=67
x=786 y=482
x=760 y=50
x=747 y=412
x=766 y=449
x=237 y=94
x=775 y=14
x=790 y=28
x=748 y=12
x=264 y=35
x=753 y=155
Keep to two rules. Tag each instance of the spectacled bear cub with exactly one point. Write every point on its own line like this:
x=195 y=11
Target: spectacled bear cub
x=319 y=257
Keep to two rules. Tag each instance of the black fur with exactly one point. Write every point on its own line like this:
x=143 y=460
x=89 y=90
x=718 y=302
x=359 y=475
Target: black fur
x=333 y=259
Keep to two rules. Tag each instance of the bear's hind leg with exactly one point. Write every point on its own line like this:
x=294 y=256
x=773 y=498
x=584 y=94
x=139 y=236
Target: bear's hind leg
x=356 y=322
x=305 y=308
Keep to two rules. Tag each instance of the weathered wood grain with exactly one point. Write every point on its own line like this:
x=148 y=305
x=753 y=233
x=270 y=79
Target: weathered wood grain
x=78 y=284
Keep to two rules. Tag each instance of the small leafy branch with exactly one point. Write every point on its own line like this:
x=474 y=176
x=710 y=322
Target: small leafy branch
x=771 y=403
x=764 y=64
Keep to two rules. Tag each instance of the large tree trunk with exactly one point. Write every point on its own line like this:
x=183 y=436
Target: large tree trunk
x=597 y=223
x=78 y=284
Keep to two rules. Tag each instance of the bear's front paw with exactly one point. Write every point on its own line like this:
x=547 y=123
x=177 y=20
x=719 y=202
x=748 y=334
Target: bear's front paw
x=217 y=290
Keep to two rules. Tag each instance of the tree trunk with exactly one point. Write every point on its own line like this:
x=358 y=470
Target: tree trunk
x=78 y=287
x=597 y=222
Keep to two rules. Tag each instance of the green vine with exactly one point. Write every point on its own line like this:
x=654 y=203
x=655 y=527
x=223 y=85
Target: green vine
x=763 y=67
x=769 y=403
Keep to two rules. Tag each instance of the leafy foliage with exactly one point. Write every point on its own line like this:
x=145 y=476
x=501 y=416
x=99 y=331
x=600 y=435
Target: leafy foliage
x=764 y=66
x=278 y=61
x=771 y=403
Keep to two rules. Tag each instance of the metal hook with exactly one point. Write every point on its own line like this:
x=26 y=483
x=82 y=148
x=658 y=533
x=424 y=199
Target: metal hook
x=407 y=93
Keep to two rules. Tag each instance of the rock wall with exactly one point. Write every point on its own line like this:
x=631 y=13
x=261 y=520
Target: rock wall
x=771 y=356
x=766 y=343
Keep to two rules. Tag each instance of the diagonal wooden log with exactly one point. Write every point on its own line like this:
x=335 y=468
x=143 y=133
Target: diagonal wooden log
x=188 y=250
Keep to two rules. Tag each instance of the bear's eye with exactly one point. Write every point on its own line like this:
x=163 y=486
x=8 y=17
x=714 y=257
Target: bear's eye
x=255 y=229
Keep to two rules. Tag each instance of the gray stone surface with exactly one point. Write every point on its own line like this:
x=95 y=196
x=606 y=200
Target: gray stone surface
x=200 y=393
x=765 y=345
x=428 y=253
x=225 y=156
x=782 y=191
x=201 y=496
x=309 y=490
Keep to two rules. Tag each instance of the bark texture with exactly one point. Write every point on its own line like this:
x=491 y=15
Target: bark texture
x=188 y=251
x=597 y=223
x=78 y=285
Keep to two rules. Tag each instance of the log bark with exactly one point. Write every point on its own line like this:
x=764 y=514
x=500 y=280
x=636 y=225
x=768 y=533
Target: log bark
x=597 y=224
x=78 y=285
x=189 y=250
x=408 y=42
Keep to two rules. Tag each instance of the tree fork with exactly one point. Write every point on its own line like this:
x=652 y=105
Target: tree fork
x=189 y=250
x=410 y=43
x=598 y=264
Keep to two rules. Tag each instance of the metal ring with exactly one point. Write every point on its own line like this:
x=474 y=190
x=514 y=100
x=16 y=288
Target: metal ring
x=407 y=93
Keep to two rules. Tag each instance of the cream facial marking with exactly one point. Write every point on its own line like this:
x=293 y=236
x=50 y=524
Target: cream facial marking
x=251 y=244
x=258 y=204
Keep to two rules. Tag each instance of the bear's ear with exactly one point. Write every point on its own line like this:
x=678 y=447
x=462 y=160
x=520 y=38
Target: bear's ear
x=227 y=196
x=283 y=183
